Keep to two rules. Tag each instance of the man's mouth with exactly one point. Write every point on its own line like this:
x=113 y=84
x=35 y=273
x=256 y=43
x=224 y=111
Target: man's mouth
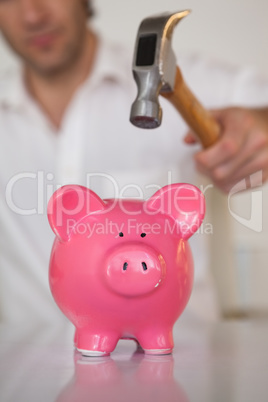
x=43 y=40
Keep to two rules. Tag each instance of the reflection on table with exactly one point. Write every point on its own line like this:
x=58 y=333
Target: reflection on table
x=224 y=361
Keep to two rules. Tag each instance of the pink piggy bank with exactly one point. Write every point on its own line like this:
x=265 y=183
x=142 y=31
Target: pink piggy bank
x=123 y=268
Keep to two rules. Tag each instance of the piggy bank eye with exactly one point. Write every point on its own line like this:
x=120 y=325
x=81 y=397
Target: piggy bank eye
x=121 y=234
x=143 y=234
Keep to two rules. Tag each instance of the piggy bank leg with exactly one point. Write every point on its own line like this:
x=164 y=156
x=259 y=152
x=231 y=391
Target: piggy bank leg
x=156 y=342
x=97 y=343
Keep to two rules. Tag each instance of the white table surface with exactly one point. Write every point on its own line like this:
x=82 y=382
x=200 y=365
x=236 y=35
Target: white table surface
x=224 y=361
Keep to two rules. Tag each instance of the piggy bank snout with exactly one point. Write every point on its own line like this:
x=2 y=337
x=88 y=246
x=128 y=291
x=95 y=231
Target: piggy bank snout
x=134 y=269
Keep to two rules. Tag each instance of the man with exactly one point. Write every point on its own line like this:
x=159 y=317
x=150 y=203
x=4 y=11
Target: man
x=64 y=118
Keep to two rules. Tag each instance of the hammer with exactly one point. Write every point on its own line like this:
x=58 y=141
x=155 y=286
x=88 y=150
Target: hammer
x=155 y=72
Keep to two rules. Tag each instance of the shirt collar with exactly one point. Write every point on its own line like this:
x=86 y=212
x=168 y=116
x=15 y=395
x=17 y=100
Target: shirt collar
x=13 y=92
x=111 y=64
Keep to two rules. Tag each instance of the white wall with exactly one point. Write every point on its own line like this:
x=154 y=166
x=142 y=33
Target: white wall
x=232 y=30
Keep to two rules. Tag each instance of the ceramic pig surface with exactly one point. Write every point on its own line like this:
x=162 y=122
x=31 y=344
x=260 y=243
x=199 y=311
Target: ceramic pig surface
x=123 y=268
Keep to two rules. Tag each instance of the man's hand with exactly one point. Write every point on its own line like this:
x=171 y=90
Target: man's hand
x=241 y=151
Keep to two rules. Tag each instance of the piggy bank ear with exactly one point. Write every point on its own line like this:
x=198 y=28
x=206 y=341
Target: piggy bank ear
x=183 y=202
x=68 y=206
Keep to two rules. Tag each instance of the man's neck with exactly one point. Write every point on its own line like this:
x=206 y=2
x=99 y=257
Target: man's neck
x=54 y=92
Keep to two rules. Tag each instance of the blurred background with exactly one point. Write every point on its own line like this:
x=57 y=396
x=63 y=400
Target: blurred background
x=233 y=31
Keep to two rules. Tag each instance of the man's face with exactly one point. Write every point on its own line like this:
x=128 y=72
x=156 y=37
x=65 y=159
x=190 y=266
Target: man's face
x=47 y=34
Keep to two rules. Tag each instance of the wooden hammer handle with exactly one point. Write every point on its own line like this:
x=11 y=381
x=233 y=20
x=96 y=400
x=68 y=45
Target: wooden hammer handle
x=196 y=116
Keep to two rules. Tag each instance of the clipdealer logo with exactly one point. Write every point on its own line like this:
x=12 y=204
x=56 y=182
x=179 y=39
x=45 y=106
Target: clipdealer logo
x=253 y=186
x=43 y=185
x=133 y=226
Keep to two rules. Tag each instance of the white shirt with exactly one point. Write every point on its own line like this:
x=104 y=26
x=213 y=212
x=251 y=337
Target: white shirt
x=96 y=146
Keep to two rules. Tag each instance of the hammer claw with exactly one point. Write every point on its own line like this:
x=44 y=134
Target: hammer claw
x=155 y=72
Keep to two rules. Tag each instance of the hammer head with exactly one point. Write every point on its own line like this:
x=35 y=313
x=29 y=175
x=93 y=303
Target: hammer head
x=154 y=67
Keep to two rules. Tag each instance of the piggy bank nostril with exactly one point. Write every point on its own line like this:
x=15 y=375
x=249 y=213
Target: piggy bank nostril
x=144 y=266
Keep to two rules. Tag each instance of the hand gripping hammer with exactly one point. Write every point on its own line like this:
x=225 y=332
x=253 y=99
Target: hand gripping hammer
x=155 y=72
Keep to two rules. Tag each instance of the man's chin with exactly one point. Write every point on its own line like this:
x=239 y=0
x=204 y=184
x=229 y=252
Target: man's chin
x=45 y=67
